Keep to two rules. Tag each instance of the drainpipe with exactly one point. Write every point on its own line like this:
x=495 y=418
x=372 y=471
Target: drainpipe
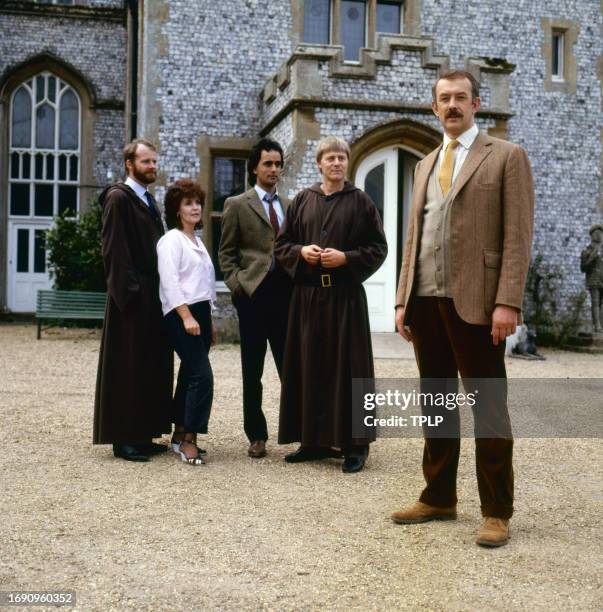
x=133 y=8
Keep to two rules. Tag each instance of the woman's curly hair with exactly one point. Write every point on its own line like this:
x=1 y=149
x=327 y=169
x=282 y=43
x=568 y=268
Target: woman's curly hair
x=181 y=190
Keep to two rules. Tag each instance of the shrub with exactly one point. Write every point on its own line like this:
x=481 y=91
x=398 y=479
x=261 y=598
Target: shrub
x=74 y=251
x=541 y=306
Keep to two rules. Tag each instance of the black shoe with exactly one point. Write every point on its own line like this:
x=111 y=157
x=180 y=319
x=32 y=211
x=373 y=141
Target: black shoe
x=354 y=463
x=130 y=452
x=307 y=453
x=151 y=448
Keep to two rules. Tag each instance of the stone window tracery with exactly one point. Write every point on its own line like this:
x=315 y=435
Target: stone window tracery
x=44 y=149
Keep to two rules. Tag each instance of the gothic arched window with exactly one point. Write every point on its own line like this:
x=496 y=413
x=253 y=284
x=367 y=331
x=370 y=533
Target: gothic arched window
x=44 y=150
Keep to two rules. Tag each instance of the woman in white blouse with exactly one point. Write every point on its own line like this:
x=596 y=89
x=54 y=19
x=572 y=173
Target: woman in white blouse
x=188 y=293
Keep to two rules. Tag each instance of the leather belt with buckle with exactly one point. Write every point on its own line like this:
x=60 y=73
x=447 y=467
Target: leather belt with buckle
x=325 y=280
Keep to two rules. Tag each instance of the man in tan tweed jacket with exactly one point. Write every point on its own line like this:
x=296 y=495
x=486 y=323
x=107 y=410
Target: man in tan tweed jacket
x=460 y=295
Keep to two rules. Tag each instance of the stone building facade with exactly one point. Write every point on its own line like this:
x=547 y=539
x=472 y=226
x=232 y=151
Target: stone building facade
x=212 y=77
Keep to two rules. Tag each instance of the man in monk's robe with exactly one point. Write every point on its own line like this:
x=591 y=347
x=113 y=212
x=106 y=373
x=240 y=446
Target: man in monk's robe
x=135 y=370
x=332 y=240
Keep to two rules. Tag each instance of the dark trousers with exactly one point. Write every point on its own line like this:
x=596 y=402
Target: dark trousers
x=444 y=345
x=194 y=394
x=262 y=319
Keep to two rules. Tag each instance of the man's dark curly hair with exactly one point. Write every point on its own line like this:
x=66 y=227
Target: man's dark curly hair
x=264 y=144
x=181 y=190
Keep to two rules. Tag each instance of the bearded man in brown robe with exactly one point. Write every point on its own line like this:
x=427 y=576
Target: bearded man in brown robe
x=135 y=370
x=332 y=240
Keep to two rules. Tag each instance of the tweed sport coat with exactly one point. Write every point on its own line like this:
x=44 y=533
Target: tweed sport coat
x=491 y=222
x=247 y=242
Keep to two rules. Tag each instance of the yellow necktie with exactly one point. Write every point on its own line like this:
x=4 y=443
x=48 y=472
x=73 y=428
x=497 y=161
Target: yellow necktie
x=447 y=167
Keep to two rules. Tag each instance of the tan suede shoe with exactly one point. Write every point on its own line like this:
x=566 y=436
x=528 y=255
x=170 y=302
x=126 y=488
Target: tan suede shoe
x=421 y=513
x=493 y=532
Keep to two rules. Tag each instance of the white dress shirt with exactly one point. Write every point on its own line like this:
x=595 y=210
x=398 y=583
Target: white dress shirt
x=460 y=153
x=138 y=189
x=276 y=203
x=186 y=272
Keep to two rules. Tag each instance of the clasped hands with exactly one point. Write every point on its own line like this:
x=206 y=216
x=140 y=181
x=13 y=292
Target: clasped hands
x=328 y=258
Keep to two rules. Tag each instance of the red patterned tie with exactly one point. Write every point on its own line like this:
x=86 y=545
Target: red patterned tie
x=271 y=212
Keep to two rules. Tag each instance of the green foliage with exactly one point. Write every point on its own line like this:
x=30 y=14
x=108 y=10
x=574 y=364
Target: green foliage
x=74 y=251
x=541 y=306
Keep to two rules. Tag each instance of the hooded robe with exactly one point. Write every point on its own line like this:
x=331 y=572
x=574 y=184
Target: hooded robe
x=135 y=370
x=328 y=337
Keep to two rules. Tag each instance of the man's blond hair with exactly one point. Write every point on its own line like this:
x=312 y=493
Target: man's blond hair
x=332 y=143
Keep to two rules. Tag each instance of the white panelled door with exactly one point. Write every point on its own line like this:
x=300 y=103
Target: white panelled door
x=26 y=264
x=387 y=178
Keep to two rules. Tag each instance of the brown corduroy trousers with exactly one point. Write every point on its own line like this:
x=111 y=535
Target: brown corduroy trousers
x=445 y=345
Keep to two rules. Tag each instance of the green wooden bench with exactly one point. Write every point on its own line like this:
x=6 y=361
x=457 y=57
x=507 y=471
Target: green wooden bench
x=54 y=304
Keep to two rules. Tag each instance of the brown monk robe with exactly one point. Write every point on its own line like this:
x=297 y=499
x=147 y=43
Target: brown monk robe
x=328 y=337
x=135 y=371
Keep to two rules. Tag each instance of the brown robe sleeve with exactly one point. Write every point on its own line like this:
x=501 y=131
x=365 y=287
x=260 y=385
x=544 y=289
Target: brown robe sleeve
x=122 y=282
x=287 y=248
x=367 y=257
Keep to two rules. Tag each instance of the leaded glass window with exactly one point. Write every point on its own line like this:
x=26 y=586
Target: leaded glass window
x=317 y=21
x=44 y=155
x=389 y=16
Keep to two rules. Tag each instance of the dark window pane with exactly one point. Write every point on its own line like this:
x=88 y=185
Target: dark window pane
x=40 y=251
x=229 y=180
x=39 y=89
x=388 y=17
x=64 y=1
x=73 y=163
x=62 y=167
x=216 y=228
x=374 y=186
x=19 y=199
x=68 y=199
x=353 y=21
x=68 y=121
x=52 y=88
x=50 y=167
x=21 y=121
x=45 y=127
x=22 y=250
x=39 y=166
x=43 y=201
x=317 y=21
x=14 y=165
x=26 y=165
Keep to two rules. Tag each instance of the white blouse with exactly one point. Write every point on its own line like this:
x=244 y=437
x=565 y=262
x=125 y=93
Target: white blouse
x=186 y=271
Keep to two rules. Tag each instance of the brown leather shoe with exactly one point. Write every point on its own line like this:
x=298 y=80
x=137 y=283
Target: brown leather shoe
x=421 y=513
x=257 y=449
x=493 y=532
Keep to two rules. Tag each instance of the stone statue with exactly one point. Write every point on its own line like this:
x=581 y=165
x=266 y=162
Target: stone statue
x=591 y=263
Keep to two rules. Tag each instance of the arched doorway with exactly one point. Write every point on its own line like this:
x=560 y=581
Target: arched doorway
x=387 y=176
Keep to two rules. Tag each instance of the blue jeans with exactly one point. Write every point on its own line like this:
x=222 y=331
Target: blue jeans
x=194 y=394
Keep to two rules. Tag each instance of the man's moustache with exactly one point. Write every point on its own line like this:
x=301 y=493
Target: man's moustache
x=453 y=115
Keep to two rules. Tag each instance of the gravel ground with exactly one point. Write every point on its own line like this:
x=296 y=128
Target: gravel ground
x=260 y=534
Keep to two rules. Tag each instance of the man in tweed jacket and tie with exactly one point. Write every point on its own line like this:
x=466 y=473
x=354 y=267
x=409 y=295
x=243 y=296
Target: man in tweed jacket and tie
x=460 y=295
x=260 y=289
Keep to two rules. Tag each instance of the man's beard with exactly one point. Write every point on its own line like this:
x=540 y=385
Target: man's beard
x=144 y=177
